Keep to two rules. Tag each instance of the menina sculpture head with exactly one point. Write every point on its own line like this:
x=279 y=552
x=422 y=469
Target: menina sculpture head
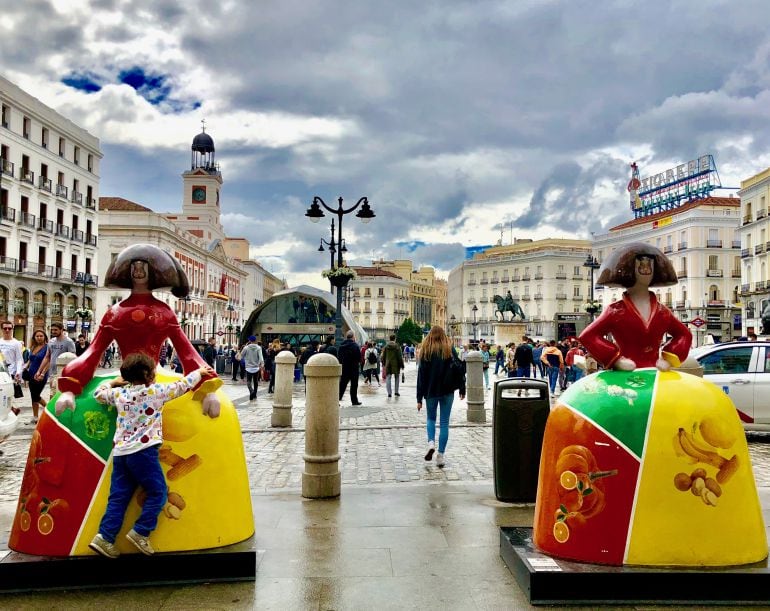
x=619 y=267
x=164 y=270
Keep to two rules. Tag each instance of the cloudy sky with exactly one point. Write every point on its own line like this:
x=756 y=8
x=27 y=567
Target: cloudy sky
x=455 y=119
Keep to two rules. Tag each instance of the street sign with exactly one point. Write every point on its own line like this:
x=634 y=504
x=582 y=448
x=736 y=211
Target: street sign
x=220 y=333
x=698 y=322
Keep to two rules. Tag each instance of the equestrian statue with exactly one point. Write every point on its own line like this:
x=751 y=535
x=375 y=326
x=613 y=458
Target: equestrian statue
x=508 y=304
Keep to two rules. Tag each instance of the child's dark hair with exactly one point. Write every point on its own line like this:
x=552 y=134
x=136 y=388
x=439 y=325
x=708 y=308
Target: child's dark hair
x=137 y=368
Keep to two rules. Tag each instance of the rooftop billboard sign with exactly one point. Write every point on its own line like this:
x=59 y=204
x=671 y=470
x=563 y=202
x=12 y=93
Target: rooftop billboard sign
x=683 y=183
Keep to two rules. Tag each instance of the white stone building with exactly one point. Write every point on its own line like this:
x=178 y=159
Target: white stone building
x=546 y=277
x=754 y=234
x=380 y=301
x=701 y=239
x=49 y=187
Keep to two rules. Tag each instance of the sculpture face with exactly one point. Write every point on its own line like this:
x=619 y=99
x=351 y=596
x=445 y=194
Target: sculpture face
x=140 y=277
x=644 y=268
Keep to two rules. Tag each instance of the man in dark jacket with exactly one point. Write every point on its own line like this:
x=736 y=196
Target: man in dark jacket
x=523 y=358
x=329 y=347
x=349 y=356
x=394 y=363
x=210 y=352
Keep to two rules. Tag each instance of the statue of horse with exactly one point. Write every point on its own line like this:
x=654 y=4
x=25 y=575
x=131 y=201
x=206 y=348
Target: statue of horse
x=506 y=304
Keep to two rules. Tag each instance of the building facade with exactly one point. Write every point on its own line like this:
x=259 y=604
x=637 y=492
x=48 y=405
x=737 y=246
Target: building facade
x=379 y=301
x=702 y=241
x=49 y=187
x=754 y=235
x=546 y=277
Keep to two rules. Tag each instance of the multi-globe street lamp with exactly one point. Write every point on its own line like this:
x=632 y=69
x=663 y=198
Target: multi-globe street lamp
x=315 y=214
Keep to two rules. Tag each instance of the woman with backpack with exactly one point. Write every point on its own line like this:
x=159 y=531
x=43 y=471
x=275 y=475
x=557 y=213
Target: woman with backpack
x=371 y=364
x=439 y=374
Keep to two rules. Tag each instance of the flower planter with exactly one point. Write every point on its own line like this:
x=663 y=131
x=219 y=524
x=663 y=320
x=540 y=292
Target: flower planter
x=339 y=281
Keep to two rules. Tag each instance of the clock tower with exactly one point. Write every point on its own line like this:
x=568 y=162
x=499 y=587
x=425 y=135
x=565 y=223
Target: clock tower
x=201 y=186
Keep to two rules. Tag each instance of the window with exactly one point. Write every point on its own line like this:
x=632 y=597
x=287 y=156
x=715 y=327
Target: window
x=61 y=147
x=576 y=271
x=713 y=262
x=76 y=155
x=90 y=162
x=380 y=292
x=367 y=292
x=730 y=360
x=44 y=138
x=6 y=116
x=26 y=127
x=576 y=290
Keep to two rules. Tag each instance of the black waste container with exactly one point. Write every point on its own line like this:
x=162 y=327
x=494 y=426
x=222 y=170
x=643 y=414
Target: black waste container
x=520 y=408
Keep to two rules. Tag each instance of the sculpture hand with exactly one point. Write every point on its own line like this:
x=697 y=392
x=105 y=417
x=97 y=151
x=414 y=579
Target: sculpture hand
x=663 y=365
x=210 y=405
x=625 y=364
x=65 y=401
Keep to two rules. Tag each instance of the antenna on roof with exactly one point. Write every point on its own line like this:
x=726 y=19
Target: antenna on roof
x=203 y=124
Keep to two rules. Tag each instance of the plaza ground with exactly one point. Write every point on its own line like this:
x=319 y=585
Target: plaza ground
x=403 y=534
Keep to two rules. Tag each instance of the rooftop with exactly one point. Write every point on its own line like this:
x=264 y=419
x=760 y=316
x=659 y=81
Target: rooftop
x=121 y=204
x=730 y=202
x=375 y=271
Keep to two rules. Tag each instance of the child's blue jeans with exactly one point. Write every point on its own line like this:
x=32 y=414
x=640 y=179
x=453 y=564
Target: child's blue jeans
x=431 y=405
x=128 y=472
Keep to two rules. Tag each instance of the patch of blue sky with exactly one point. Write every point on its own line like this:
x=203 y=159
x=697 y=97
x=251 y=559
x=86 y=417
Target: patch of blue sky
x=82 y=82
x=412 y=245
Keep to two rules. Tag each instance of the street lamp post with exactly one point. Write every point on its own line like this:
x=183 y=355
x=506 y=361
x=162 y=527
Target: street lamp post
x=452 y=327
x=84 y=279
x=474 y=309
x=230 y=310
x=591 y=263
x=315 y=214
x=331 y=244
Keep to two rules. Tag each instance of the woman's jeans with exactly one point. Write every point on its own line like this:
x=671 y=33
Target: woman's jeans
x=445 y=404
x=486 y=376
x=553 y=376
x=141 y=468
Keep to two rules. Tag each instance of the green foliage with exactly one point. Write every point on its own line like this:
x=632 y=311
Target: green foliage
x=409 y=333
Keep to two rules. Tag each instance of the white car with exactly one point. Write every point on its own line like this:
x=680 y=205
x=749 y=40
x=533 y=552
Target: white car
x=742 y=371
x=8 y=420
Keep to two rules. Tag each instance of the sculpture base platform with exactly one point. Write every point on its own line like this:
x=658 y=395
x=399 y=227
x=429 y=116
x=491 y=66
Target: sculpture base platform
x=24 y=573
x=552 y=581
x=507 y=332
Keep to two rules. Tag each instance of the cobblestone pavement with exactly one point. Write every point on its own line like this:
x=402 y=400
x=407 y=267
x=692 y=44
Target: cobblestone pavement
x=381 y=442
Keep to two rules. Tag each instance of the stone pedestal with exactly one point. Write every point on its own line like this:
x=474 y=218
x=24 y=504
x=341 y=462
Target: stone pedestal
x=321 y=478
x=507 y=332
x=284 y=376
x=474 y=385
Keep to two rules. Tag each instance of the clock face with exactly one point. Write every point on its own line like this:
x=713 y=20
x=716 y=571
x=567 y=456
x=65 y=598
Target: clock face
x=199 y=194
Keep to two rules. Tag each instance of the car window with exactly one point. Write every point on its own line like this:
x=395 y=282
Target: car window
x=729 y=360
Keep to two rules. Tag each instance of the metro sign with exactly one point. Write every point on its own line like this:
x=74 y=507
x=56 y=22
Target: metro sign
x=698 y=322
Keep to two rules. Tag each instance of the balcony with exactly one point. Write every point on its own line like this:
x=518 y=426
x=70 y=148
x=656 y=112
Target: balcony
x=736 y=273
x=761 y=213
x=745 y=288
x=27 y=219
x=44 y=183
x=713 y=273
x=45 y=225
x=506 y=279
x=471 y=300
x=682 y=273
x=61 y=191
x=26 y=175
x=471 y=283
x=91 y=204
x=495 y=281
x=577 y=276
x=69 y=311
x=7 y=264
x=668 y=248
x=62 y=231
x=516 y=278
x=526 y=277
x=8 y=214
x=6 y=167
x=680 y=305
x=538 y=296
x=736 y=243
x=745 y=252
x=20 y=307
x=64 y=274
x=77 y=198
x=715 y=303
x=77 y=235
x=484 y=281
x=538 y=276
x=561 y=296
x=577 y=298
x=759 y=248
x=38 y=308
x=561 y=275
x=29 y=267
x=682 y=246
x=713 y=243
x=525 y=297
x=760 y=285
x=747 y=219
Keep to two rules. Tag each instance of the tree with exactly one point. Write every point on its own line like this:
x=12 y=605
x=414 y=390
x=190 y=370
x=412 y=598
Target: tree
x=409 y=332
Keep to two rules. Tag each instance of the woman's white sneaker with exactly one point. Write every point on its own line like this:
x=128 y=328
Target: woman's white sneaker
x=439 y=460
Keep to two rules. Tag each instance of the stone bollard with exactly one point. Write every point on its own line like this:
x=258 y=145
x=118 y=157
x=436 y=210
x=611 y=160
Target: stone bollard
x=321 y=478
x=284 y=375
x=474 y=387
x=65 y=358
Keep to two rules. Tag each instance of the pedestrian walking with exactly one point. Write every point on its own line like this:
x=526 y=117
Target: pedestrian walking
x=499 y=359
x=554 y=362
x=210 y=352
x=57 y=345
x=436 y=383
x=81 y=345
x=510 y=360
x=12 y=350
x=272 y=352
x=135 y=458
x=537 y=352
x=349 y=356
x=252 y=356
x=575 y=372
x=329 y=347
x=523 y=359
x=37 y=351
x=393 y=362
x=371 y=364
x=485 y=364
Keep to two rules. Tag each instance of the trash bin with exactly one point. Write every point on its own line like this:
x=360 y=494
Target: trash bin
x=520 y=408
x=220 y=363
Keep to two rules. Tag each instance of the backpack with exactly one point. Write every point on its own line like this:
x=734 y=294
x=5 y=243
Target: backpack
x=371 y=357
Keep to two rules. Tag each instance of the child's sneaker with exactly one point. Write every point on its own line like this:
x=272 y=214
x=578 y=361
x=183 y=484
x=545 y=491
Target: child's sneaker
x=141 y=543
x=439 y=460
x=101 y=546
